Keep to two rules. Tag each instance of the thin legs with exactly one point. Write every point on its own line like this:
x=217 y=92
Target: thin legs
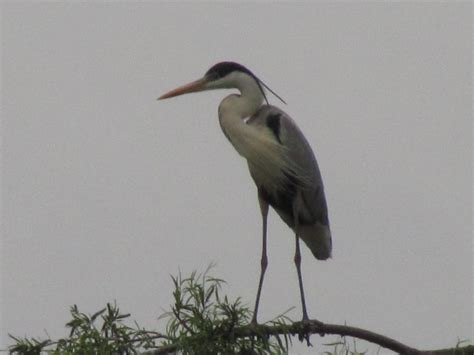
x=297 y=260
x=264 y=259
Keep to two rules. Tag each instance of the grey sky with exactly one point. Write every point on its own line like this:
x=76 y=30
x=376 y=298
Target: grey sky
x=105 y=191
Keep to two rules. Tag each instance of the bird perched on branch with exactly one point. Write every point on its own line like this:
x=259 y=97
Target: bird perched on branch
x=280 y=160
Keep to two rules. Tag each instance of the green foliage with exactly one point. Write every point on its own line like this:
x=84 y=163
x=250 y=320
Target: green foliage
x=101 y=333
x=29 y=346
x=86 y=337
x=201 y=321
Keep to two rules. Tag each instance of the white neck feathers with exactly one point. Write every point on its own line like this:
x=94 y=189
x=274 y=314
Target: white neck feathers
x=250 y=98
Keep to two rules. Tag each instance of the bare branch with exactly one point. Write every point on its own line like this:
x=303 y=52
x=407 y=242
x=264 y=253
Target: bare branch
x=316 y=327
x=460 y=350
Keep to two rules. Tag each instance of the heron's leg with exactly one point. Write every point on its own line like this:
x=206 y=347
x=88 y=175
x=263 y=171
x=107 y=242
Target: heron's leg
x=297 y=260
x=263 y=260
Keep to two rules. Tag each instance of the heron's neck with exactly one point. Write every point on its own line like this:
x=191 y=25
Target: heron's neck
x=245 y=104
x=232 y=112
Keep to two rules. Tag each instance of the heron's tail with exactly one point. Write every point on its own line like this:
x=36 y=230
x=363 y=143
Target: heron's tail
x=318 y=239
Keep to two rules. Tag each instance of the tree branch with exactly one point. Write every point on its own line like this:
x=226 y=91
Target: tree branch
x=461 y=350
x=316 y=327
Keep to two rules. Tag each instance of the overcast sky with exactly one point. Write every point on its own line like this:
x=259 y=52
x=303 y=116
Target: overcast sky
x=106 y=191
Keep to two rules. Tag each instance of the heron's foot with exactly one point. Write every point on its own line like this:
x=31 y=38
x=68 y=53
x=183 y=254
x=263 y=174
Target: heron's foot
x=305 y=329
x=303 y=332
x=254 y=322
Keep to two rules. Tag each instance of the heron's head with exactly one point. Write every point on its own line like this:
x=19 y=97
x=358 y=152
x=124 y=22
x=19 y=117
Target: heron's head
x=224 y=75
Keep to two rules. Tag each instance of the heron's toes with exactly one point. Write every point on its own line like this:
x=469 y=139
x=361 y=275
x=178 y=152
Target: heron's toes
x=305 y=331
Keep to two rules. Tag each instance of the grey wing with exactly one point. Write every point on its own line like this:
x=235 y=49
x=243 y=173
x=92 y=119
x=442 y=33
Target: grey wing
x=306 y=181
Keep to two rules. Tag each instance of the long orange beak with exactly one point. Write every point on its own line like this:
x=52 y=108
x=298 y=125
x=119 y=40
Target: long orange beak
x=194 y=86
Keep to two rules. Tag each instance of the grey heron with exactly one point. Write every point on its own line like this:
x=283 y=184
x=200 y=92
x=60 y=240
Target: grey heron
x=280 y=160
